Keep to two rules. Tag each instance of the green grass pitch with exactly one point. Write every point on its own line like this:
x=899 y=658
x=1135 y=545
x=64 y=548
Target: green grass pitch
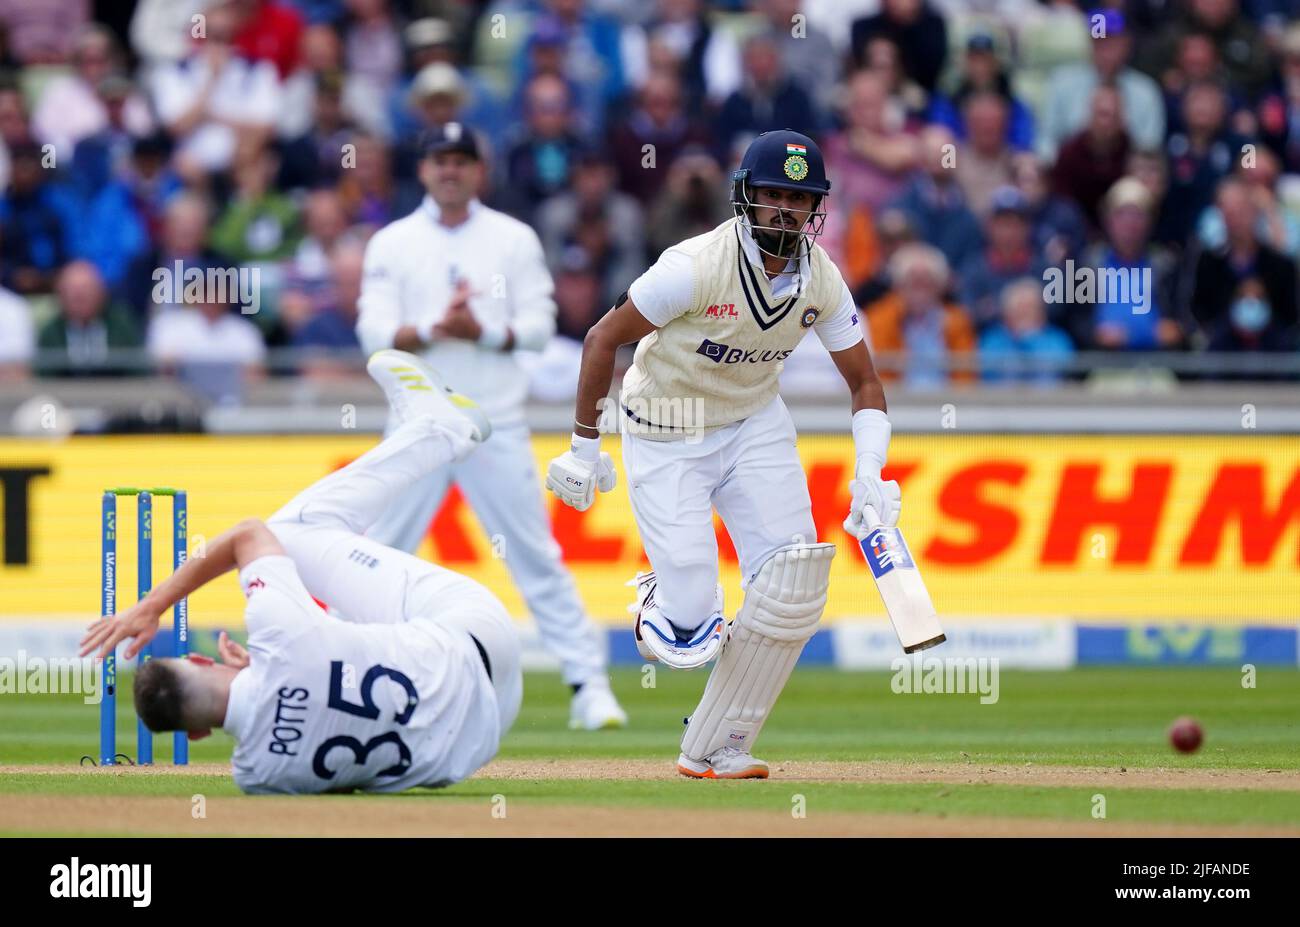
x=1094 y=718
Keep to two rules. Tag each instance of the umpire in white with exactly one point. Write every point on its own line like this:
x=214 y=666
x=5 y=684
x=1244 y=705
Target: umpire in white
x=466 y=286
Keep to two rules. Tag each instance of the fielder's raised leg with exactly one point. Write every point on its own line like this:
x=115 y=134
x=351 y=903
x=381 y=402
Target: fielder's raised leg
x=704 y=429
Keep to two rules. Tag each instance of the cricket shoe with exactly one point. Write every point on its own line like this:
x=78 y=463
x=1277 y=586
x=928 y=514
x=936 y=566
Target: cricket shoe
x=414 y=390
x=594 y=707
x=658 y=639
x=723 y=763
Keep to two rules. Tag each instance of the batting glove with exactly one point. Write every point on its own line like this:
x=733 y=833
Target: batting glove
x=576 y=474
x=875 y=502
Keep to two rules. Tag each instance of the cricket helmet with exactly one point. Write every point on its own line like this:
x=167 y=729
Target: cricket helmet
x=786 y=160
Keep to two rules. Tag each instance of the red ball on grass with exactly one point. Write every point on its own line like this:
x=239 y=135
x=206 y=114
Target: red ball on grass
x=1186 y=735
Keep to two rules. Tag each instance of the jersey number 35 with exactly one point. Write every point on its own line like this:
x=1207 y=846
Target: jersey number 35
x=367 y=709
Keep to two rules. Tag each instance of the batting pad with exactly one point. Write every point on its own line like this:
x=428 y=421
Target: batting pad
x=781 y=609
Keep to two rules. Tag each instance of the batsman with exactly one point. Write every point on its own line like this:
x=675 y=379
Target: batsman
x=704 y=429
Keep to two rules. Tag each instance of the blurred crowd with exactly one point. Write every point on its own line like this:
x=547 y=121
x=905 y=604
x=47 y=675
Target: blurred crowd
x=972 y=146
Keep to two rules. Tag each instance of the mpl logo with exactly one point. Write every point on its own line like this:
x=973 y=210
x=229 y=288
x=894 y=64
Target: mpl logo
x=884 y=549
x=722 y=311
x=725 y=354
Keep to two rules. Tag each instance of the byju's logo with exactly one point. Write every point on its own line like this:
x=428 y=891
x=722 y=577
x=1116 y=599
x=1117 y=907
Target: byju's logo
x=725 y=354
x=712 y=350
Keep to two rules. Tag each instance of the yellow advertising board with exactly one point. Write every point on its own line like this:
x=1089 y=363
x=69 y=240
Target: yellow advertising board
x=1095 y=527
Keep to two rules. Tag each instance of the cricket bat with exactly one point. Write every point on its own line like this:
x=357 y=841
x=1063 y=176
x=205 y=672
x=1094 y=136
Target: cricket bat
x=902 y=589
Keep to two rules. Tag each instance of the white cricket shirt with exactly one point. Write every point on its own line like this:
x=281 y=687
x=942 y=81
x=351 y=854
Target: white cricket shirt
x=326 y=704
x=723 y=329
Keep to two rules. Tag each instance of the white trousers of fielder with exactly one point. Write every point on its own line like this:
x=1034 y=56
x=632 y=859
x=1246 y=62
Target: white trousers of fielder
x=750 y=472
x=499 y=480
x=322 y=528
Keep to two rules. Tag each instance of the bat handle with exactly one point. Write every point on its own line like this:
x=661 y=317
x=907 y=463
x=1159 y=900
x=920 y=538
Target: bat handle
x=870 y=520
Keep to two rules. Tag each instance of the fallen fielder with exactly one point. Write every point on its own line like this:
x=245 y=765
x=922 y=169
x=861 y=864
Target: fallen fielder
x=414 y=687
x=714 y=318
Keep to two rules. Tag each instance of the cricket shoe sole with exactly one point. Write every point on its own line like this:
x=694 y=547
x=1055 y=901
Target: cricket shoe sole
x=415 y=390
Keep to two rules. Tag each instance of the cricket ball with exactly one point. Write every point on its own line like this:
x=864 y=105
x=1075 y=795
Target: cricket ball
x=1186 y=735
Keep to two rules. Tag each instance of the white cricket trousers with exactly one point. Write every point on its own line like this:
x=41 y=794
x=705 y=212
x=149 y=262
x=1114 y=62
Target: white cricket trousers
x=750 y=472
x=323 y=527
x=499 y=480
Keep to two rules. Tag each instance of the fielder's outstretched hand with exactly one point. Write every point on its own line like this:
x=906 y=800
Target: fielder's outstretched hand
x=140 y=621
x=575 y=479
x=232 y=654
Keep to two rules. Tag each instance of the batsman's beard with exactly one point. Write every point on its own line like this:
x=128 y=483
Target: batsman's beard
x=781 y=242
